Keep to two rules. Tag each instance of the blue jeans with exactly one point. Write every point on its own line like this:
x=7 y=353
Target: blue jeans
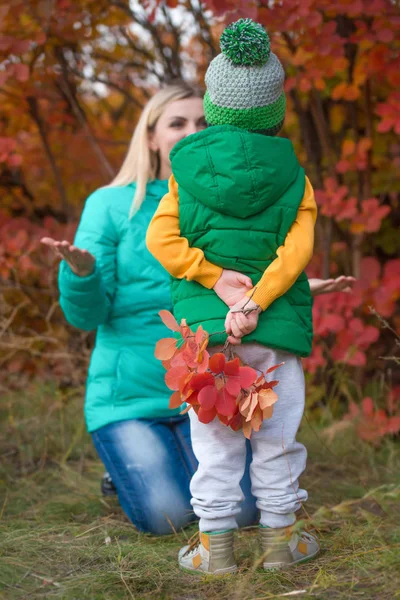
x=151 y=463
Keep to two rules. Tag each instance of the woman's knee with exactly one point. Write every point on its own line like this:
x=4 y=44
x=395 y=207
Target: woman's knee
x=162 y=524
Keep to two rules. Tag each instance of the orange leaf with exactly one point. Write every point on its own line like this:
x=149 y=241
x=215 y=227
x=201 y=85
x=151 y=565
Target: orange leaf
x=165 y=348
x=178 y=360
x=174 y=376
x=169 y=320
x=348 y=147
x=185 y=329
x=247 y=430
x=267 y=398
x=175 y=401
x=244 y=404
x=203 y=362
x=204 y=344
x=166 y=364
x=268 y=412
x=185 y=410
x=199 y=335
x=257 y=419
x=253 y=405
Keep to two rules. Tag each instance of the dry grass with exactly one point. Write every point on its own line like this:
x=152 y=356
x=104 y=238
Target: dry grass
x=60 y=539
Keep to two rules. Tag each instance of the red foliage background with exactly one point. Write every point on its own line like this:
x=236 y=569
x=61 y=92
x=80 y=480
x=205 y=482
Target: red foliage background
x=73 y=79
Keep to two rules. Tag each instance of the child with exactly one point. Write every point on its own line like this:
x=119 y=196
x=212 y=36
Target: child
x=236 y=229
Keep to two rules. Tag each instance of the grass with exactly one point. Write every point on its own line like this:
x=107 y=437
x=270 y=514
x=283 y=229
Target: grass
x=60 y=539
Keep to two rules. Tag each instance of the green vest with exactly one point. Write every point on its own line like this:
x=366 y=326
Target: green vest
x=239 y=193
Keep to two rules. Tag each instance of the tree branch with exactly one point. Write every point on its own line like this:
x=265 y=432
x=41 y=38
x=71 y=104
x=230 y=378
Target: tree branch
x=35 y=114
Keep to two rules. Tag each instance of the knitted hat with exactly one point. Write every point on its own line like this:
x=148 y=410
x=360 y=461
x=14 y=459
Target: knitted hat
x=245 y=82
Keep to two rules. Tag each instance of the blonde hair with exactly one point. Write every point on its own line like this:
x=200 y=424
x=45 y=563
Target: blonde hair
x=141 y=164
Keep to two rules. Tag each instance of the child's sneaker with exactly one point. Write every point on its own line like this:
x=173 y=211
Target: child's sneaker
x=282 y=547
x=212 y=554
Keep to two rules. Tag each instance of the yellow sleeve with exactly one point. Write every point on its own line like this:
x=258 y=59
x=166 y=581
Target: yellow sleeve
x=292 y=257
x=164 y=241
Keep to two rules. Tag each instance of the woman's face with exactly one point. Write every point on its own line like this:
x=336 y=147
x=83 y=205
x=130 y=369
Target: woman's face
x=179 y=119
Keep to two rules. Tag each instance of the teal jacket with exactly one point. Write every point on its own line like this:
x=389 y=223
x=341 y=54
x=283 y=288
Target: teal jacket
x=121 y=300
x=239 y=194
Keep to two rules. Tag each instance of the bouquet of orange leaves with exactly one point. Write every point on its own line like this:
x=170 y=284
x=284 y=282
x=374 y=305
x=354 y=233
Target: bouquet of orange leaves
x=213 y=386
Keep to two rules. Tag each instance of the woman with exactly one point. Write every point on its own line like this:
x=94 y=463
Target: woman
x=109 y=282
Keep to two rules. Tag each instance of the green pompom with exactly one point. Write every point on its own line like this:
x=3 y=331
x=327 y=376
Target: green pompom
x=245 y=42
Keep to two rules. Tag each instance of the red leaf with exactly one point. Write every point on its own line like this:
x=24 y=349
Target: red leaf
x=274 y=367
x=201 y=380
x=225 y=404
x=368 y=407
x=206 y=416
x=191 y=397
x=21 y=72
x=393 y=425
x=232 y=367
x=233 y=386
x=236 y=422
x=208 y=397
x=268 y=385
x=175 y=401
x=169 y=320
x=165 y=348
x=217 y=363
x=223 y=420
x=247 y=376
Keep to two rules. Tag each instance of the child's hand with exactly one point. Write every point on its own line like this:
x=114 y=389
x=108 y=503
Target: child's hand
x=239 y=323
x=232 y=286
x=324 y=286
x=81 y=262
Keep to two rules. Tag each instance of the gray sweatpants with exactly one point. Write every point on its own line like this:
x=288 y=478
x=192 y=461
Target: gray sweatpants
x=278 y=459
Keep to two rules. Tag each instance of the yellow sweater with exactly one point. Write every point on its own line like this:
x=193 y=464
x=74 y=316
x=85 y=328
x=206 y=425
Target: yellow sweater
x=183 y=262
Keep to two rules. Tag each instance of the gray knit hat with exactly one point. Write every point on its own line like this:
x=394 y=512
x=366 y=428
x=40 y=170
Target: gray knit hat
x=245 y=82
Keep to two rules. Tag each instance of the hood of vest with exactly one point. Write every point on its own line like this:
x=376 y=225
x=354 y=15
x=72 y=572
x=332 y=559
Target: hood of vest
x=233 y=171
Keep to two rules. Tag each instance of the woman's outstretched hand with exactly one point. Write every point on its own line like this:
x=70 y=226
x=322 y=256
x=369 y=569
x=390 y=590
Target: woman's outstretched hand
x=81 y=262
x=325 y=286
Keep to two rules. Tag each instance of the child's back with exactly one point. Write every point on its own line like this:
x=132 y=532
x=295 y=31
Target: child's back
x=240 y=201
x=239 y=194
